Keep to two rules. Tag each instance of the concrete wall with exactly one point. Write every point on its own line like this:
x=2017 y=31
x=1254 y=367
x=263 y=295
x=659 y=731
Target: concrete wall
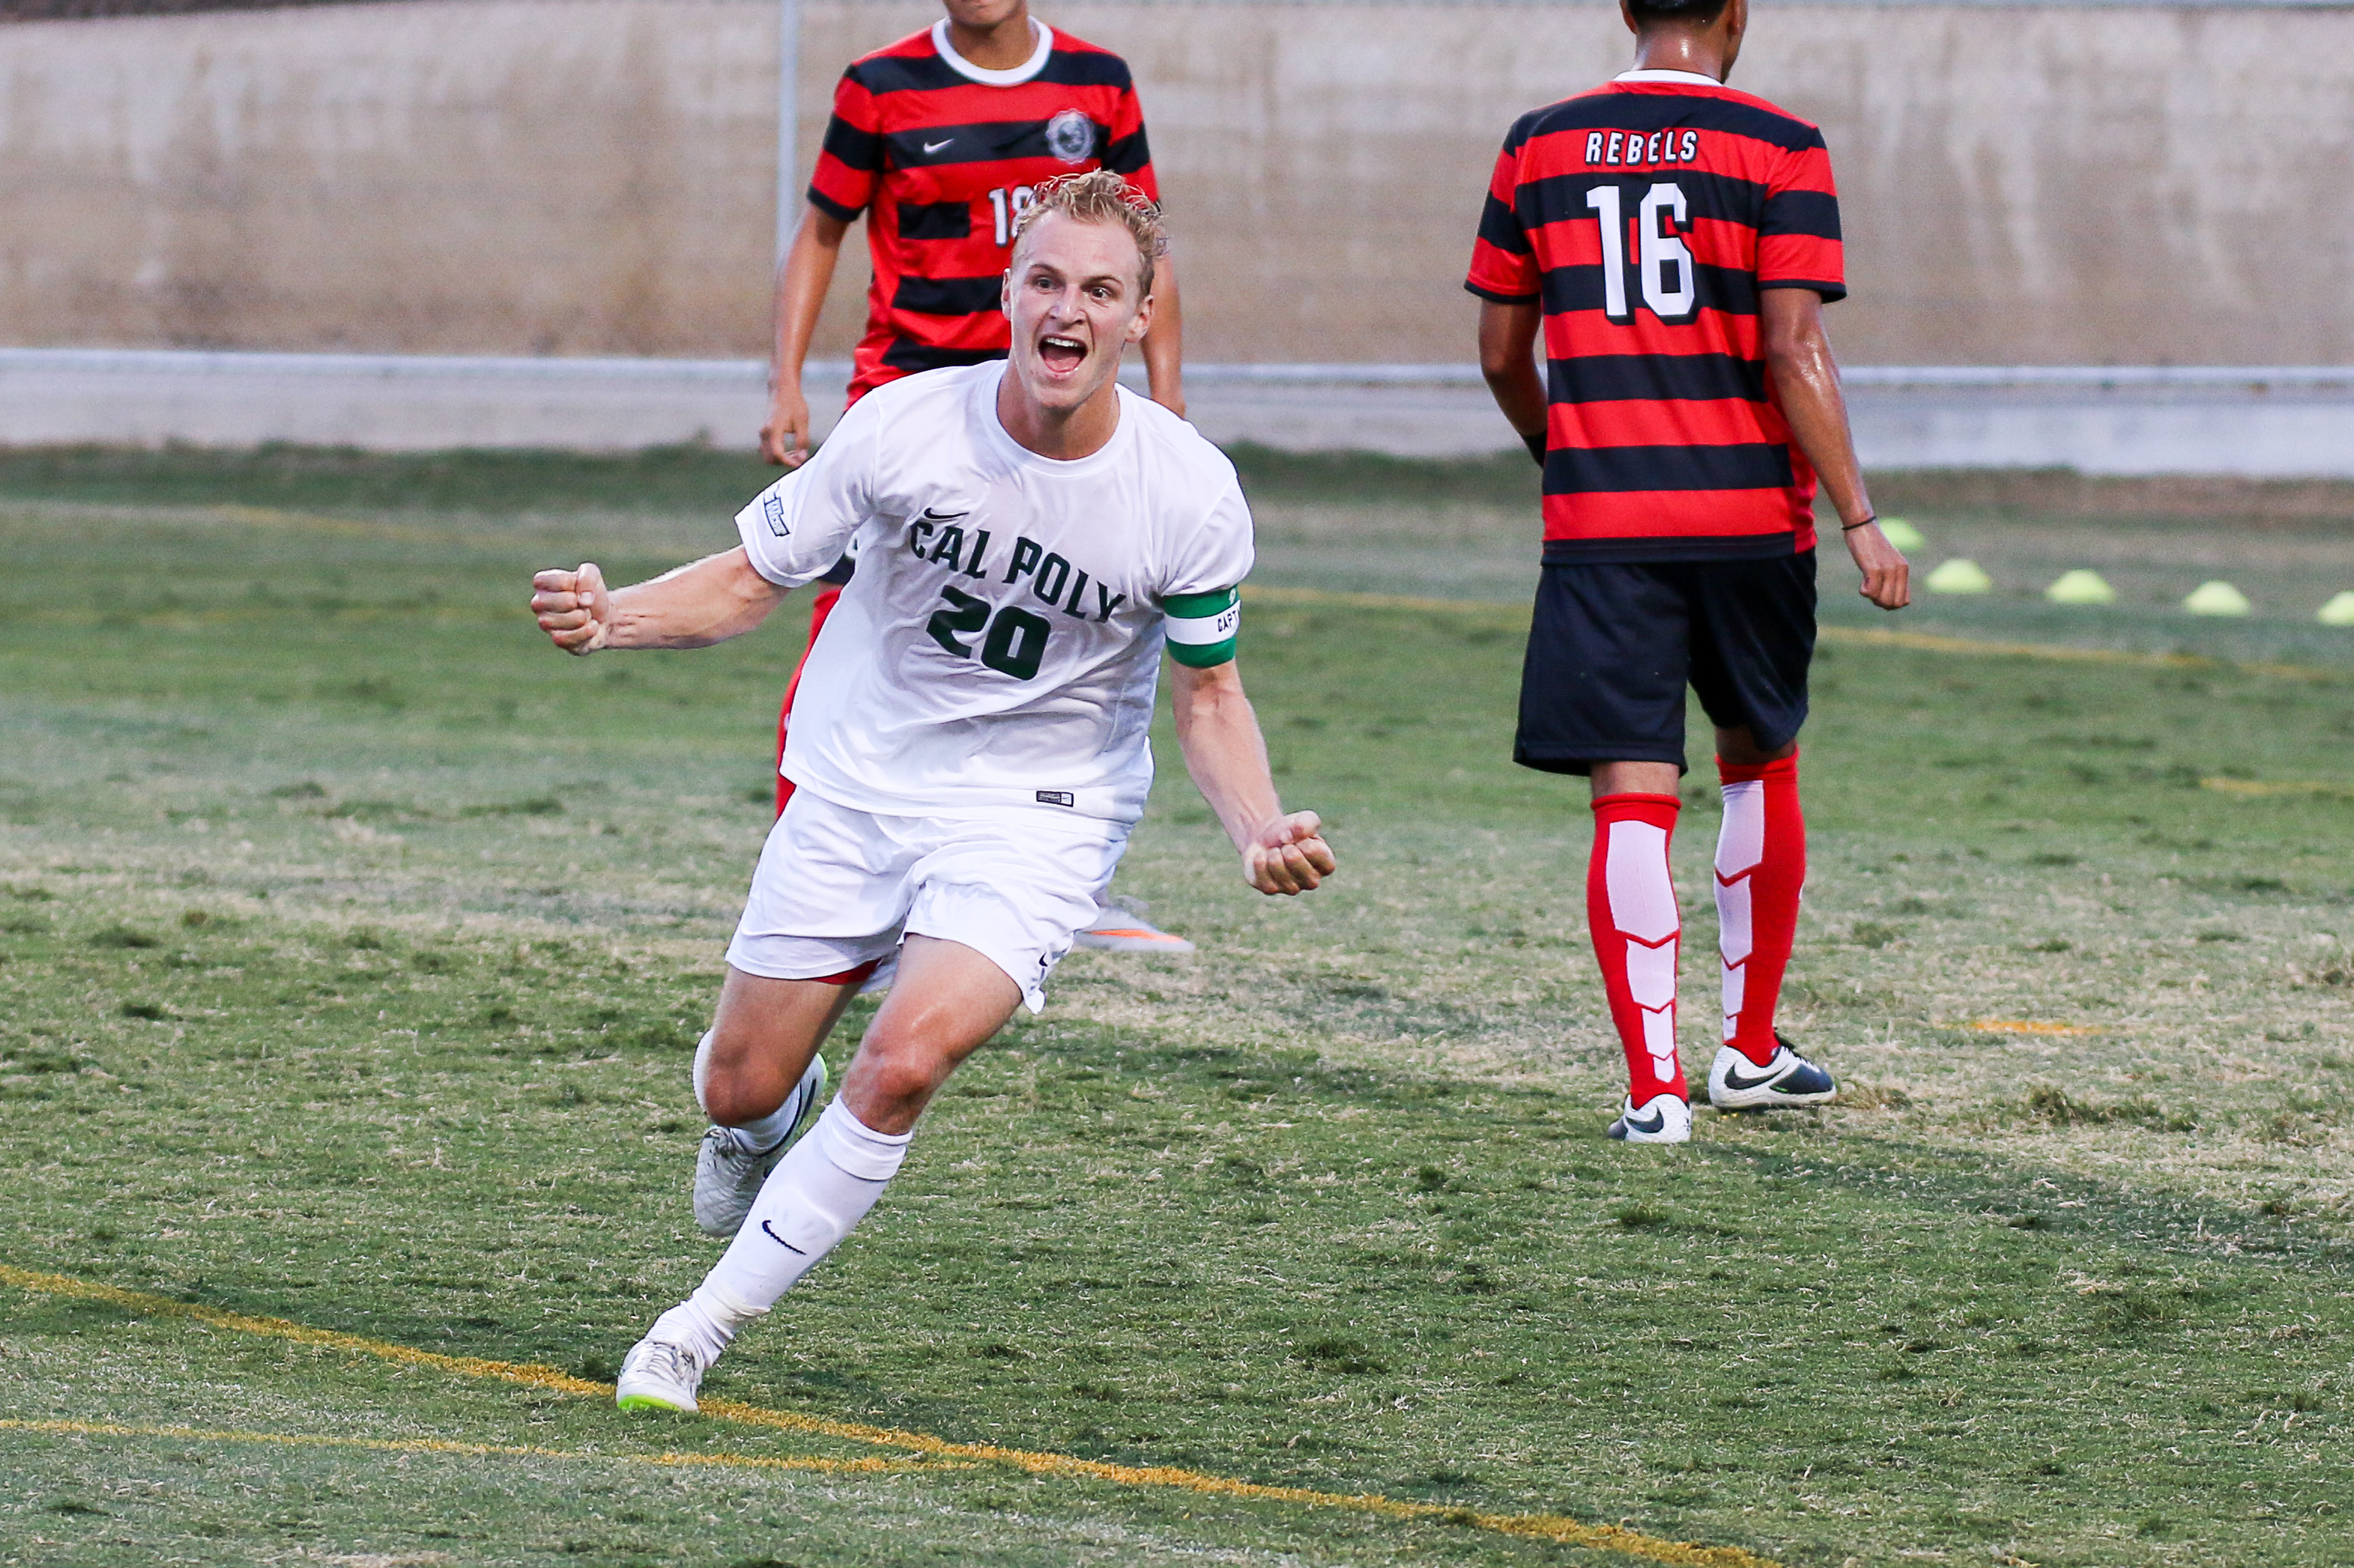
x=558 y=178
x=2031 y=184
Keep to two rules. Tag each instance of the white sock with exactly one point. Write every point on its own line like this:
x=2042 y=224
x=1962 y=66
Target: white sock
x=761 y=1133
x=810 y=1201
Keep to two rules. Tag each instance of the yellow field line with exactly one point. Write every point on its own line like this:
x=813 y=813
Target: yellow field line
x=2027 y=1026
x=1556 y=1528
x=448 y=1445
x=2259 y=786
x=1854 y=636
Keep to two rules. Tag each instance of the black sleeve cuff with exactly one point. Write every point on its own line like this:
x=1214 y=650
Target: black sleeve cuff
x=830 y=208
x=1501 y=299
x=1831 y=292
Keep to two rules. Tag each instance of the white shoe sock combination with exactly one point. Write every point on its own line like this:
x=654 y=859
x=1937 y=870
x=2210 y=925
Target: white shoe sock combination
x=822 y=1188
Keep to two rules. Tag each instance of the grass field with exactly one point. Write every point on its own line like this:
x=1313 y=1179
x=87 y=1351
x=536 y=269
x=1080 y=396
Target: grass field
x=353 y=944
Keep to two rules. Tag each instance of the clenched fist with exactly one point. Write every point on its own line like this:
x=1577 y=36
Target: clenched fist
x=1289 y=855
x=573 y=608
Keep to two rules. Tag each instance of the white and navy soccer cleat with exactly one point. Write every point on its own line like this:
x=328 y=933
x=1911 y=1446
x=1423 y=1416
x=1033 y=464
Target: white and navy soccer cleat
x=1664 y=1118
x=658 y=1374
x=1120 y=927
x=1735 y=1083
x=727 y=1176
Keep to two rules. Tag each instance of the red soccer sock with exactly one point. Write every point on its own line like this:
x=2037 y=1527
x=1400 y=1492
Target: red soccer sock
x=1630 y=910
x=828 y=596
x=1761 y=867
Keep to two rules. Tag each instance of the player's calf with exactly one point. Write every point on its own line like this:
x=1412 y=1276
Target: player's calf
x=1761 y=871
x=733 y=1162
x=1631 y=912
x=759 y=1078
x=820 y=1189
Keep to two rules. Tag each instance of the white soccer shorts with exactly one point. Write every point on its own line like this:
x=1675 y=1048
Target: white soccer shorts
x=837 y=887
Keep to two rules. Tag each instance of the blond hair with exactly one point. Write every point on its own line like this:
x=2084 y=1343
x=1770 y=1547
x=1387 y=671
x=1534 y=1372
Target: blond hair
x=1100 y=195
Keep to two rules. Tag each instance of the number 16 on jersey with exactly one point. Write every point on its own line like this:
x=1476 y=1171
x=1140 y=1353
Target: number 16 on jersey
x=1663 y=262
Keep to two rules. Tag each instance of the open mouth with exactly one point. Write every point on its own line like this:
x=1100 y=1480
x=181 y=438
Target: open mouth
x=1061 y=355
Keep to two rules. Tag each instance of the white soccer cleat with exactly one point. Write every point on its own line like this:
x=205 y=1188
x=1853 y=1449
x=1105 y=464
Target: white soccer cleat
x=1735 y=1083
x=659 y=1375
x=1664 y=1118
x=1122 y=928
x=727 y=1176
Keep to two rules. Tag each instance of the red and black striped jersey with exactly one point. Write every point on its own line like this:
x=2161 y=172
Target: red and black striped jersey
x=1648 y=216
x=941 y=155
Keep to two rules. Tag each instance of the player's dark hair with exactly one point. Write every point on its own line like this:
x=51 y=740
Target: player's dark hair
x=1684 y=13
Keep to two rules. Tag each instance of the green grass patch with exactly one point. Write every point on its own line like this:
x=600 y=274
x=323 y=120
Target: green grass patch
x=354 y=946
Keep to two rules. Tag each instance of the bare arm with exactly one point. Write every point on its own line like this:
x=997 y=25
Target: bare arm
x=1164 y=340
x=1508 y=342
x=694 y=605
x=1223 y=751
x=1806 y=382
x=801 y=284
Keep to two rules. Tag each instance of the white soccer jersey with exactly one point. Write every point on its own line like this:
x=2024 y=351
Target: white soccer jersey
x=999 y=648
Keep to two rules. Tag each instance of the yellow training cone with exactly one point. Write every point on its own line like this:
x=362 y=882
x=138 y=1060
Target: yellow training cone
x=1901 y=534
x=2216 y=599
x=2082 y=585
x=2338 y=612
x=1959 y=575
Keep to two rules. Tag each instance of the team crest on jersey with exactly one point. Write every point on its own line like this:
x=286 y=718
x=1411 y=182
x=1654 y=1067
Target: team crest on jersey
x=772 y=509
x=1071 y=136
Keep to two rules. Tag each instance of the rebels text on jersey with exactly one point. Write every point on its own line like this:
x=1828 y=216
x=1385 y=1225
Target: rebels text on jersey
x=1647 y=216
x=999 y=649
x=941 y=155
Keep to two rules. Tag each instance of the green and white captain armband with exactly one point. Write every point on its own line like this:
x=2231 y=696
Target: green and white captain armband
x=1201 y=626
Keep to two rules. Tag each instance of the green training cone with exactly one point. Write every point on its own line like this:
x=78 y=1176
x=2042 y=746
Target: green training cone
x=2082 y=586
x=2338 y=612
x=1901 y=534
x=1959 y=576
x=2216 y=599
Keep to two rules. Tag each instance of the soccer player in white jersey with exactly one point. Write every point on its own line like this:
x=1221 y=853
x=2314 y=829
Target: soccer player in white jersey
x=972 y=749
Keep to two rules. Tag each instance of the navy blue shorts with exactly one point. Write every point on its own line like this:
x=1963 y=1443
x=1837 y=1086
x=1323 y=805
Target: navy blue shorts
x=1613 y=646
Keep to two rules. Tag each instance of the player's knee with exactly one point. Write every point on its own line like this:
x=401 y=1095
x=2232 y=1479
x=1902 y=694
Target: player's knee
x=1740 y=748
x=726 y=1086
x=903 y=1085
x=892 y=1081
x=731 y=1100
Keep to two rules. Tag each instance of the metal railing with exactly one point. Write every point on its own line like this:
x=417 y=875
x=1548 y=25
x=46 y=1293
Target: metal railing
x=419 y=367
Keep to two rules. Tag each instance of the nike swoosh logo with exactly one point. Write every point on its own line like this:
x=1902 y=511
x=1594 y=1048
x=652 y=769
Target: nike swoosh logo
x=934 y=514
x=931 y=147
x=1734 y=1081
x=1659 y=1120
x=781 y=1241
